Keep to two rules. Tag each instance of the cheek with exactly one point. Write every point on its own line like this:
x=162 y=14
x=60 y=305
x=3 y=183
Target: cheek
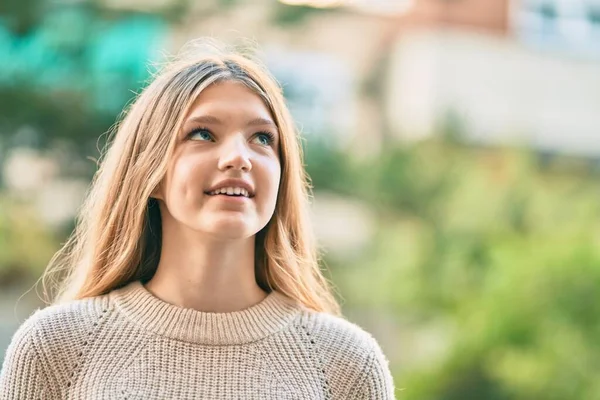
x=186 y=178
x=275 y=181
x=277 y=175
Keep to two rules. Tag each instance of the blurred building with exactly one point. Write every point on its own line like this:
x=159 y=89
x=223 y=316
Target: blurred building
x=488 y=16
x=519 y=72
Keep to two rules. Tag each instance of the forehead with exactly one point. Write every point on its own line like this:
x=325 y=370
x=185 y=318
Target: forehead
x=229 y=99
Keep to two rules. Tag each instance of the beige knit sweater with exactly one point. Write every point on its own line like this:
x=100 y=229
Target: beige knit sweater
x=131 y=345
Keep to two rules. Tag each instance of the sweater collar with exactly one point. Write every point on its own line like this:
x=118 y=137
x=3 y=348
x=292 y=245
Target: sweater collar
x=270 y=315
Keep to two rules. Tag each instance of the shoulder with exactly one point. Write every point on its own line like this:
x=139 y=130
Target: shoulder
x=338 y=333
x=59 y=322
x=57 y=330
x=350 y=351
x=46 y=343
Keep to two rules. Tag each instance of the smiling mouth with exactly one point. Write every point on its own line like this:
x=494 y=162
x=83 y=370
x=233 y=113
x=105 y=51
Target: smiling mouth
x=230 y=192
x=227 y=195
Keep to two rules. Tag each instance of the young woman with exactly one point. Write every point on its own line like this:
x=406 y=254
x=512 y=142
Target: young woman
x=192 y=272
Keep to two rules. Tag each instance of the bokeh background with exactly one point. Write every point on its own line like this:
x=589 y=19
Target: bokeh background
x=453 y=147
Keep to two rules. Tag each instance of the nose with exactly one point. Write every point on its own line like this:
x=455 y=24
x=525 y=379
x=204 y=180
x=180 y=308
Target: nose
x=235 y=155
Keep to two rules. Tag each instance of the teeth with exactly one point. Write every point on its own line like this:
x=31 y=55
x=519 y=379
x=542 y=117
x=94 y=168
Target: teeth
x=230 y=191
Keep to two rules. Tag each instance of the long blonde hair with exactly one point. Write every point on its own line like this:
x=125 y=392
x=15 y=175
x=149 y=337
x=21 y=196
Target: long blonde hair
x=117 y=238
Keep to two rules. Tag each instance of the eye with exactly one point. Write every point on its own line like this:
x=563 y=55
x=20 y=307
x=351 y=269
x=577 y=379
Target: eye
x=200 y=134
x=265 y=138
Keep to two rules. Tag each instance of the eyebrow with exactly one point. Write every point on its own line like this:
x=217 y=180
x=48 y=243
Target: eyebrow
x=209 y=119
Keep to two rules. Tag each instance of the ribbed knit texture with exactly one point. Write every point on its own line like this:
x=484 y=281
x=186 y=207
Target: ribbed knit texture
x=129 y=344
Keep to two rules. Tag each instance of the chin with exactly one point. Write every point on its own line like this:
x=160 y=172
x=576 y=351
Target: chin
x=230 y=229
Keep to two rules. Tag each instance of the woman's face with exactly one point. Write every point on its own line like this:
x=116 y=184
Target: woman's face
x=224 y=176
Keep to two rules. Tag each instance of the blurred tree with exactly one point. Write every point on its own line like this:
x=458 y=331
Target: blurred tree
x=295 y=15
x=20 y=16
x=487 y=239
x=25 y=243
x=68 y=76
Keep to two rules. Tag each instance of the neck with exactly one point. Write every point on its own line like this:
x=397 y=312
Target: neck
x=206 y=273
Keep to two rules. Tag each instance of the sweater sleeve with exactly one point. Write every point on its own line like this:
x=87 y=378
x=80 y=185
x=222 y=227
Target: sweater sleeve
x=23 y=375
x=376 y=382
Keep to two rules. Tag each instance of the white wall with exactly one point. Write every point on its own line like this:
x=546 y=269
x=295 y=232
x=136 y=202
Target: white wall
x=503 y=91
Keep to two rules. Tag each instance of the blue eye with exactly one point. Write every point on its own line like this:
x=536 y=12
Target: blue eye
x=265 y=138
x=200 y=134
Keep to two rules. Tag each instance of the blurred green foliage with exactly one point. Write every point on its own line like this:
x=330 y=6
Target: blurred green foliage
x=503 y=250
x=71 y=70
x=294 y=15
x=26 y=243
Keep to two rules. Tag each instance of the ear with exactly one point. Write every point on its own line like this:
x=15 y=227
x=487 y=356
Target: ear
x=157 y=193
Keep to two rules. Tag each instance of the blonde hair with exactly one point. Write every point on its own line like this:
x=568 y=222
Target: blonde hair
x=117 y=238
